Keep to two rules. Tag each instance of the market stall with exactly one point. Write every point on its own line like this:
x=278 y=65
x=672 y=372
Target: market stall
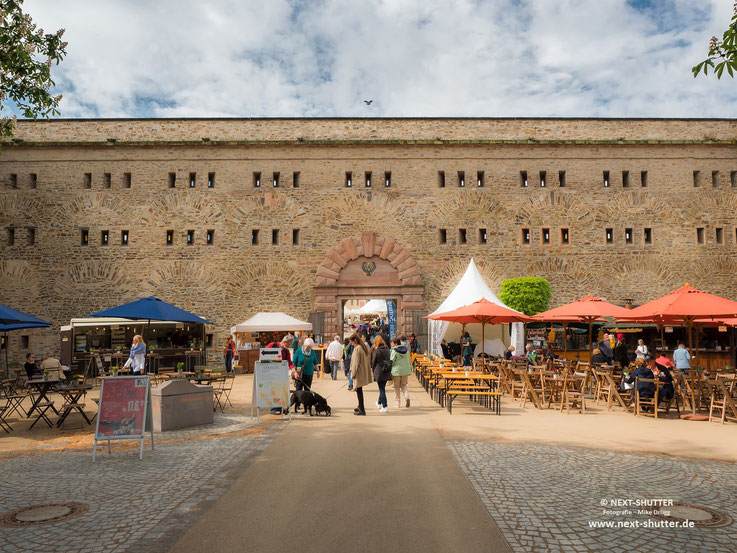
x=260 y=330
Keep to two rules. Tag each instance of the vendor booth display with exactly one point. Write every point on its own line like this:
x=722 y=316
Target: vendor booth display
x=261 y=329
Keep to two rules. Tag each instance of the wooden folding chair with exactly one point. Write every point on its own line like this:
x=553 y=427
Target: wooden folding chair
x=528 y=390
x=722 y=401
x=641 y=402
x=573 y=393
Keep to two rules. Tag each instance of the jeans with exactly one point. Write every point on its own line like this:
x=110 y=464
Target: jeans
x=334 y=369
x=382 y=393
x=359 y=395
x=229 y=362
x=467 y=360
x=400 y=387
x=347 y=367
x=305 y=383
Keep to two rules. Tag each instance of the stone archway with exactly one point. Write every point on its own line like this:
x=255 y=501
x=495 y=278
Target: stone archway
x=368 y=266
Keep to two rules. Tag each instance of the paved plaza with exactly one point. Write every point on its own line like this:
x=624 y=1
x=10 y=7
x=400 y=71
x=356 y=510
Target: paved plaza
x=132 y=505
x=445 y=487
x=544 y=497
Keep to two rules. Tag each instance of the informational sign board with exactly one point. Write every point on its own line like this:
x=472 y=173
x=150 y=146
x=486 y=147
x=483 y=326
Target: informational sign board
x=391 y=314
x=270 y=386
x=125 y=411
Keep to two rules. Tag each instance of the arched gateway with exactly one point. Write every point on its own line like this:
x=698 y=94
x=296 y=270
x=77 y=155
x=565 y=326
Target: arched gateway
x=367 y=267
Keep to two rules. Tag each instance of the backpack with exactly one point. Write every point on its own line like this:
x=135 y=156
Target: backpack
x=386 y=367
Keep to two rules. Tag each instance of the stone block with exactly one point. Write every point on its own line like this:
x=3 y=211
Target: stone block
x=181 y=404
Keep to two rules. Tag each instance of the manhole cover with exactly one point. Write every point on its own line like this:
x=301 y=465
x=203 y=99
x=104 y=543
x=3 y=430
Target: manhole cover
x=42 y=514
x=699 y=515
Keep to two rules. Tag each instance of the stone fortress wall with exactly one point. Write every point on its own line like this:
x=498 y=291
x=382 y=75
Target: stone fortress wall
x=630 y=209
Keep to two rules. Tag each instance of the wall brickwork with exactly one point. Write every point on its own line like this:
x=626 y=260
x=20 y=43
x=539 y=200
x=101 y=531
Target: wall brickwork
x=58 y=278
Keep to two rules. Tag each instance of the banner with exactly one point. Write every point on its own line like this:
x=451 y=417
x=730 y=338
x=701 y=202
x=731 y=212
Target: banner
x=391 y=313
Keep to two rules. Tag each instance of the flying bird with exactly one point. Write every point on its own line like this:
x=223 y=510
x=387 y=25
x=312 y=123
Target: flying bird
x=367 y=102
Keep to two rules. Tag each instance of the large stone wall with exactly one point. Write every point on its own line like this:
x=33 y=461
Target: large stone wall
x=58 y=278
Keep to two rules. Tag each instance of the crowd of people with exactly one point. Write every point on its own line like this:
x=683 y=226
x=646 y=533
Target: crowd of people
x=362 y=359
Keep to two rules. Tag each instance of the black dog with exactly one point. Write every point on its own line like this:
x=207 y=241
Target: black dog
x=308 y=400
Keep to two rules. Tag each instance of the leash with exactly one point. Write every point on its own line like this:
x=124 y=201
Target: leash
x=310 y=390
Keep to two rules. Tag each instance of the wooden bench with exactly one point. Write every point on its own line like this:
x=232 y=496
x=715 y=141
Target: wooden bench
x=493 y=399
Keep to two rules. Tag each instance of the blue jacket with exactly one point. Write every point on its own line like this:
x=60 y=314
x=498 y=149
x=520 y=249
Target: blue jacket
x=140 y=348
x=645 y=389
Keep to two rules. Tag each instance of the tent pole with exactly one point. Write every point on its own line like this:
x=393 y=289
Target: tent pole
x=591 y=349
x=691 y=370
x=565 y=340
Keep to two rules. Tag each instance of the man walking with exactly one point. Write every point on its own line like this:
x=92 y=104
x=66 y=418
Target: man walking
x=334 y=354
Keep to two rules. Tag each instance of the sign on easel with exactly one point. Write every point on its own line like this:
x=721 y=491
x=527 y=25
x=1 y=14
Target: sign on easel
x=125 y=411
x=270 y=387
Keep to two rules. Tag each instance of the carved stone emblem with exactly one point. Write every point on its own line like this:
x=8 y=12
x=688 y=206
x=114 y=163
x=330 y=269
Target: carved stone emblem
x=368 y=268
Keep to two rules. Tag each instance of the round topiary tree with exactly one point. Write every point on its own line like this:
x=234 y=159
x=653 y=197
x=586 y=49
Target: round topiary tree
x=530 y=295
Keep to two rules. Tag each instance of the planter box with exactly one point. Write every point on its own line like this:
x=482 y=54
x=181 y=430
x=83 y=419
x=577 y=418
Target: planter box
x=181 y=404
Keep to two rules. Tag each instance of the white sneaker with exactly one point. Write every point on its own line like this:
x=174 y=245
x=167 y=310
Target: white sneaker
x=384 y=410
x=378 y=405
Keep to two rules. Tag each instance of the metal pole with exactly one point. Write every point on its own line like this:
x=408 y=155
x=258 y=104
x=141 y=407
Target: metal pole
x=691 y=370
x=7 y=345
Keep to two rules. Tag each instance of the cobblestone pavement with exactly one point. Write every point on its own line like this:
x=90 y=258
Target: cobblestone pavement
x=134 y=505
x=544 y=496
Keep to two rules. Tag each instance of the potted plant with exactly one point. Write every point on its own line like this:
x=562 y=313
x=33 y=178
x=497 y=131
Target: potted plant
x=77 y=379
x=114 y=370
x=46 y=374
x=180 y=367
x=118 y=349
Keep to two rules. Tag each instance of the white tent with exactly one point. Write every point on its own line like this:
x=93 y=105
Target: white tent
x=265 y=322
x=471 y=288
x=373 y=306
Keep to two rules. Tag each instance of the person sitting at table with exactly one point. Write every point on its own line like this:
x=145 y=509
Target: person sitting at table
x=137 y=357
x=51 y=364
x=644 y=389
x=662 y=373
x=548 y=353
x=32 y=370
x=509 y=353
x=531 y=354
x=597 y=358
x=444 y=347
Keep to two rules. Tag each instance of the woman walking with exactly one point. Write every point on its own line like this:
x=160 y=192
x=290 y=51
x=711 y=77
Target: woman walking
x=360 y=370
x=401 y=369
x=229 y=354
x=304 y=363
x=381 y=359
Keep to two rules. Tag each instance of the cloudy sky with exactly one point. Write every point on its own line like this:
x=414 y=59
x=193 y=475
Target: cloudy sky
x=171 y=58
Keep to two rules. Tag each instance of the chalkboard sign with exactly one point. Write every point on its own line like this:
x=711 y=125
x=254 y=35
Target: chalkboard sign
x=125 y=411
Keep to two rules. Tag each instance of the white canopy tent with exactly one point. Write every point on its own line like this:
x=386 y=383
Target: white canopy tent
x=265 y=322
x=373 y=306
x=471 y=288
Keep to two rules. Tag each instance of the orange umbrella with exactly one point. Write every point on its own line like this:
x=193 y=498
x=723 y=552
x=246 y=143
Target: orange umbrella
x=588 y=309
x=687 y=306
x=482 y=311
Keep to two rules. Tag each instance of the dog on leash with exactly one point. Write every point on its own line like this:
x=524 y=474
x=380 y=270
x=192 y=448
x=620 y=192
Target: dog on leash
x=308 y=400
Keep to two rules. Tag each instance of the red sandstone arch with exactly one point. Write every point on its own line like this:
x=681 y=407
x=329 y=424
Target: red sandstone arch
x=397 y=276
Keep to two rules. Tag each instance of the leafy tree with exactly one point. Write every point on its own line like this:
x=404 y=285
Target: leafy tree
x=530 y=295
x=722 y=53
x=26 y=57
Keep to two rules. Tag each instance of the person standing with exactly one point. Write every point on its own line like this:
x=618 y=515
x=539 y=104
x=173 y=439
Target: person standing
x=682 y=358
x=137 y=356
x=414 y=345
x=347 y=354
x=467 y=351
x=304 y=363
x=401 y=369
x=360 y=370
x=621 y=354
x=641 y=350
x=381 y=358
x=229 y=354
x=334 y=354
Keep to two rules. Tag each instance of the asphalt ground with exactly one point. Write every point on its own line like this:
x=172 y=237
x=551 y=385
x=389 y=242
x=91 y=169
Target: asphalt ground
x=380 y=483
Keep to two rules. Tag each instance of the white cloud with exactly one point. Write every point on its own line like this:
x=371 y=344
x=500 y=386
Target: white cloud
x=412 y=57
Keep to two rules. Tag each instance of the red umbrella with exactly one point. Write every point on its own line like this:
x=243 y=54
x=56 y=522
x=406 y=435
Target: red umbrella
x=588 y=309
x=482 y=311
x=687 y=306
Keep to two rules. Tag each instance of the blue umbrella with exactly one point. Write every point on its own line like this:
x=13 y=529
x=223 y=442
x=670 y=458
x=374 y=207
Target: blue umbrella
x=10 y=316
x=18 y=326
x=151 y=309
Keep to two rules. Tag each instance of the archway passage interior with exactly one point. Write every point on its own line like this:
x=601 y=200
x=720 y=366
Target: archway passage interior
x=368 y=267
x=360 y=311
